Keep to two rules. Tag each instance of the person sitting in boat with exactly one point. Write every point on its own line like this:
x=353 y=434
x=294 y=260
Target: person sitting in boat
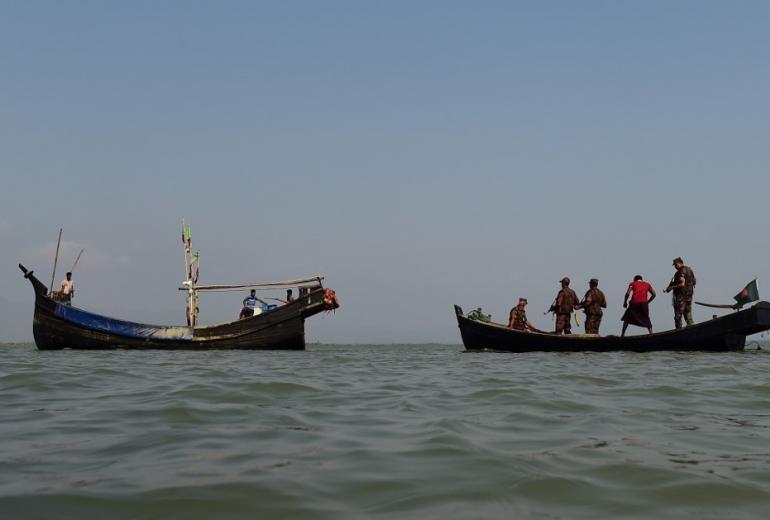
x=250 y=305
x=517 y=319
x=67 y=290
x=638 y=313
x=289 y=297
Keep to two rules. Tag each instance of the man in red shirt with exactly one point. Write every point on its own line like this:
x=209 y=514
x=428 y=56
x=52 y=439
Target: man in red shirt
x=638 y=313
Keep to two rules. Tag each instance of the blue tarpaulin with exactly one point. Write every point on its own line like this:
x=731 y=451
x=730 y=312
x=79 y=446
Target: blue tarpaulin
x=120 y=327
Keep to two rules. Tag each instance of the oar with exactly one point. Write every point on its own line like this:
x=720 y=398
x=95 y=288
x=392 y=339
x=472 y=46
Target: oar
x=733 y=306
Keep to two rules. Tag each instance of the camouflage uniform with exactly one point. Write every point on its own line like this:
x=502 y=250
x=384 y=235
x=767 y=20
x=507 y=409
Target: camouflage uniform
x=594 y=311
x=518 y=319
x=682 y=299
x=566 y=300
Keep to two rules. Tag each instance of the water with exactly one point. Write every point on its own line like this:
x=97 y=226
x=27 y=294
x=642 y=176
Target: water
x=423 y=432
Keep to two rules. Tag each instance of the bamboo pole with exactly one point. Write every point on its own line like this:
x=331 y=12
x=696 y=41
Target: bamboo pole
x=55 y=261
x=76 y=261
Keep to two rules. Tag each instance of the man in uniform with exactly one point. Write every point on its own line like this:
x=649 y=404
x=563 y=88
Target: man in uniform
x=683 y=285
x=593 y=303
x=566 y=301
x=518 y=317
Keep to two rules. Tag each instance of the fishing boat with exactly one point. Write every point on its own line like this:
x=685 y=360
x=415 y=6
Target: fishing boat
x=718 y=334
x=59 y=325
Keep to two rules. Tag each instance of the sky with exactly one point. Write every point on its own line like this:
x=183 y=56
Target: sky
x=418 y=154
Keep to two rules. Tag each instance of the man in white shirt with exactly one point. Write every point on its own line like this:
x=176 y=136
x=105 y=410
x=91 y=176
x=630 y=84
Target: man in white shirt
x=67 y=290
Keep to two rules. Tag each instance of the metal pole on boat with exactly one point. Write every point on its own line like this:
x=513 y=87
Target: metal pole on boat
x=55 y=261
x=189 y=260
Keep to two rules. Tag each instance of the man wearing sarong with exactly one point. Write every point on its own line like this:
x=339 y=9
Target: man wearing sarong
x=593 y=303
x=638 y=312
x=67 y=289
x=683 y=285
x=566 y=301
x=517 y=319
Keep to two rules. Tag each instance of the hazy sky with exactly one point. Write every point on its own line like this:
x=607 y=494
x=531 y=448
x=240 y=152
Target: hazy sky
x=419 y=153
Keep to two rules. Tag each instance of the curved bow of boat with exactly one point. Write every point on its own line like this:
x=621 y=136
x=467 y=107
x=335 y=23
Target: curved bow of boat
x=37 y=285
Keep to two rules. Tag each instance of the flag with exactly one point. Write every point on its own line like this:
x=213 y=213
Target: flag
x=749 y=294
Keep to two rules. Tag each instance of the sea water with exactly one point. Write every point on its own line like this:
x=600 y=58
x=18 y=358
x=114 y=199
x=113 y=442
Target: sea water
x=397 y=431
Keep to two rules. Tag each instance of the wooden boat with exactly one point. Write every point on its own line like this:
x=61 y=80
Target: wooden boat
x=719 y=334
x=57 y=326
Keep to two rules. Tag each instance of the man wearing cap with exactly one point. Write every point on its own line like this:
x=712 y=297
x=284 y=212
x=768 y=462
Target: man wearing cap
x=593 y=303
x=566 y=301
x=683 y=285
x=518 y=317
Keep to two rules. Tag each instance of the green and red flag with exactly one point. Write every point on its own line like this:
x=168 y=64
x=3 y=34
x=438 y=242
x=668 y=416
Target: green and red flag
x=749 y=294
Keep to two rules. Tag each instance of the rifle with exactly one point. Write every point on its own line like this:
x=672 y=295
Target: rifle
x=550 y=309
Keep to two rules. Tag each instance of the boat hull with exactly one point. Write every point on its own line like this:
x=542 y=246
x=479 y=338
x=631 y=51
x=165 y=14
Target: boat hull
x=57 y=326
x=719 y=334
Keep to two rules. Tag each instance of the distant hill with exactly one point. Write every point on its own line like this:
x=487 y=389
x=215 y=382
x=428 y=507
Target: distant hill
x=15 y=321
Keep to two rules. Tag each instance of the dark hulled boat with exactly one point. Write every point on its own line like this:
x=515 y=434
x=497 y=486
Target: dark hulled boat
x=58 y=326
x=719 y=334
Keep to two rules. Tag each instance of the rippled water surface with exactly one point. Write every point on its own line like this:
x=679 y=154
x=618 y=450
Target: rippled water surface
x=425 y=431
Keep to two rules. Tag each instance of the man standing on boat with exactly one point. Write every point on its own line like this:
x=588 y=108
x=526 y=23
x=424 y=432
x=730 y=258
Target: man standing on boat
x=683 y=285
x=517 y=319
x=565 y=303
x=67 y=289
x=593 y=303
x=249 y=304
x=638 y=313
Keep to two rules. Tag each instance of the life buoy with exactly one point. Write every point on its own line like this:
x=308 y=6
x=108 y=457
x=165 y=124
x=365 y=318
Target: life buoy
x=330 y=299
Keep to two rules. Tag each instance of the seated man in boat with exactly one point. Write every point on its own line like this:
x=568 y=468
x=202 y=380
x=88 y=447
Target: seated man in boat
x=67 y=290
x=638 y=313
x=518 y=317
x=289 y=297
x=249 y=304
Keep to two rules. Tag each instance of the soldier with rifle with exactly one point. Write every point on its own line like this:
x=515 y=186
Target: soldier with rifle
x=683 y=286
x=564 y=304
x=593 y=303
